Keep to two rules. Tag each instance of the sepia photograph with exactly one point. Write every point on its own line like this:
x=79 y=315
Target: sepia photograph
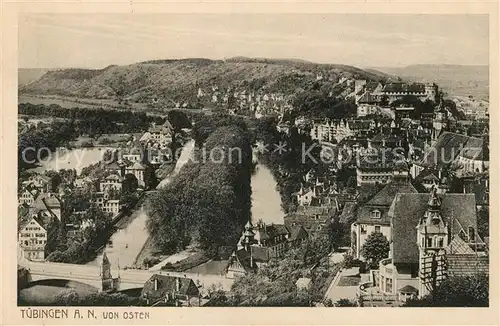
x=252 y=160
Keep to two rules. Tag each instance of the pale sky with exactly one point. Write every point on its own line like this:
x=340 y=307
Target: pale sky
x=374 y=40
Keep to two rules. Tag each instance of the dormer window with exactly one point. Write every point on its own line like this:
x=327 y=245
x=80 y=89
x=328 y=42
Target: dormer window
x=375 y=214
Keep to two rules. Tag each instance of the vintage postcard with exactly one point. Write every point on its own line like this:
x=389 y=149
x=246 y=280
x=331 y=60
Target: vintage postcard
x=217 y=164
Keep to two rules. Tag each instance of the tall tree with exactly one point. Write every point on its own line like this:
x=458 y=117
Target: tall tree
x=375 y=248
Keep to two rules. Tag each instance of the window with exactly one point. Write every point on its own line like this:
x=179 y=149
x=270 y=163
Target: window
x=429 y=242
x=441 y=242
x=375 y=214
x=388 y=285
x=471 y=233
x=377 y=228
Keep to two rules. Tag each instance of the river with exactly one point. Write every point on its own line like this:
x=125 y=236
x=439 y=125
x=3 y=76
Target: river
x=127 y=242
x=70 y=159
x=266 y=200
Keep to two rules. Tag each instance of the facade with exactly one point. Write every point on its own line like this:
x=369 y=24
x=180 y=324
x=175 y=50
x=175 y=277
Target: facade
x=395 y=91
x=367 y=109
x=329 y=130
x=107 y=202
x=32 y=239
x=27 y=196
x=306 y=196
x=137 y=169
x=380 y=167
x=161 y=135
x=133 y=155
x=111 y=182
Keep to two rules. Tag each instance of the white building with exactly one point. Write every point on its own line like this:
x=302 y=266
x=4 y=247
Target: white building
x=32 y=239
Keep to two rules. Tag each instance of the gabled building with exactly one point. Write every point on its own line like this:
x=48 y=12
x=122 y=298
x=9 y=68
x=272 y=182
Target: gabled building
x=162 y=135
x=111 y=182
x=32 y=238
x=261 y=243
x=373 y=215
x=312 y=218
x=170 y=290
x=306 y=195
x=27 y=195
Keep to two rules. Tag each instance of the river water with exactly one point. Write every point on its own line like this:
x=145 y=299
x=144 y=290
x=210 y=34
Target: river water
x=71 y=159
x=266 y=200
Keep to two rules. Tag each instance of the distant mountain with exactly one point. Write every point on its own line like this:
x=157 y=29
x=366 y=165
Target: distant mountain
x=28 y=75
x=456 y=80
x=179 y=80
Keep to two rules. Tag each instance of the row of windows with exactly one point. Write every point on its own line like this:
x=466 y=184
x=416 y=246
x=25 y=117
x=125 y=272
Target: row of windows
x=436 y=242
x=363 y=228
x=34 y=242
x=33 y=235
x=33 y=229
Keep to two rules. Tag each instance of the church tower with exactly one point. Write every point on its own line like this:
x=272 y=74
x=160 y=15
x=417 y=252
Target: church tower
x=106 y=278
x=432 y=238
x=439 y=121
x=248 y=236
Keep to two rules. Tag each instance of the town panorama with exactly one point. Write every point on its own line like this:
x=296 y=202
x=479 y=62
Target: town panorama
x=252 y=182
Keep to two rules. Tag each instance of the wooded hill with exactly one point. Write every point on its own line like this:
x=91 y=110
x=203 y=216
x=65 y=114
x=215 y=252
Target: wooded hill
x=179 y=80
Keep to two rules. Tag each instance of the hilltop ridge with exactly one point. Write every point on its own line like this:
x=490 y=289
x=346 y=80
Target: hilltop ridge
x=180 y=79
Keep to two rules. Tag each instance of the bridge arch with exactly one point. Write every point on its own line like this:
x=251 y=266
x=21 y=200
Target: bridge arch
x=64 y=284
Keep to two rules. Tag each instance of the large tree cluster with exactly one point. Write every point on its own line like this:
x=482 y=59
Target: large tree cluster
x=209 y=200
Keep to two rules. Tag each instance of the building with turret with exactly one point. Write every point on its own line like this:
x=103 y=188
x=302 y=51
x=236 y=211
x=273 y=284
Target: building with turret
x=433 y=236
x=262 y=242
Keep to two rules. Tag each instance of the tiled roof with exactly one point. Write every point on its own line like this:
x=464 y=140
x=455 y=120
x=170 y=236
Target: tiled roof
x=348 y=213
x=307 y=221
x=381 y=202
x=458 y=246
x=297 y=232
x=168 y=285
x=466 y=264
x=427 y=174
x=404 y=88
x=445 y=150
x=137 y=166
x=473 y=149
x=385 y=196
x=360 y=124
x=406 y=211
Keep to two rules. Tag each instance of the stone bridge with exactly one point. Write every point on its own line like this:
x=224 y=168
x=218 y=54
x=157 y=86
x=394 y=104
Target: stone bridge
x=127 y=278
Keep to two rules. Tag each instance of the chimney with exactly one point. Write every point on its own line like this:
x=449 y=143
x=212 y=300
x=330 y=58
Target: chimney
x=156 y=284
